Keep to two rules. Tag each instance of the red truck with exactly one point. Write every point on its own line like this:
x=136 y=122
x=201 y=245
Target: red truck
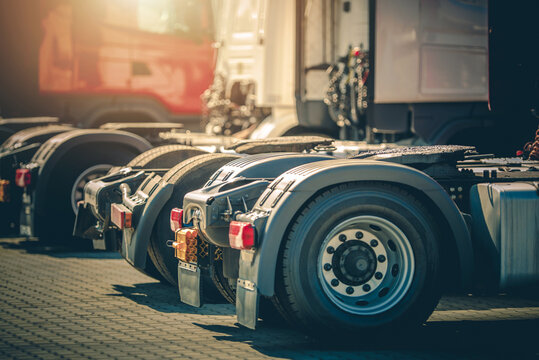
x=92 y=62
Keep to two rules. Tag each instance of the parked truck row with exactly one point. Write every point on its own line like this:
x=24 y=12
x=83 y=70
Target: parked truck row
x=299 y=98
x=364 y=242
x=360 y=233
x=261 y=219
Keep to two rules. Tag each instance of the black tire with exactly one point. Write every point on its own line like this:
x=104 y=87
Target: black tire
x=226 y=287
x=186 y=176
x=162 y=157
x=306 y=293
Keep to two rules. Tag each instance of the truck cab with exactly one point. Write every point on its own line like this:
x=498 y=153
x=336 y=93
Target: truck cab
x=380 y=71
x=95 y=62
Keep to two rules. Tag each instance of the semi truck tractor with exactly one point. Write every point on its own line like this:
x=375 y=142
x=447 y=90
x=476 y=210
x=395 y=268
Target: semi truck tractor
x=19 y=148
x=365 y=243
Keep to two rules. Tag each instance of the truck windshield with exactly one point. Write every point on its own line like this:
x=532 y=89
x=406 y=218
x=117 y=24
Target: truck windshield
x=245 y=16
x=170 y=16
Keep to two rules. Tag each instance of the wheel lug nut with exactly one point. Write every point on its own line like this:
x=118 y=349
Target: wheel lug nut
x=349 y=290
x=342 y=237
x=374 y=243
x=334 y=282
x=330 y=250
x=378 y=276
x=366 y=287
x=359 y=235
x=395 y=270
x=381 y=258
x=327 y=266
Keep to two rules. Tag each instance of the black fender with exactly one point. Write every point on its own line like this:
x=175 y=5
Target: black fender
x=32 y=135
x=136 y=240
x=8 y=127
x=301 y=183
x=21 y=146
x=53 y=151
x=234 y=181
x=134 y=250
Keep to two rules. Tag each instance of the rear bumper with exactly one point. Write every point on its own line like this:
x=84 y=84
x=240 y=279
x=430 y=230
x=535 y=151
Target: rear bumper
x=93 y=219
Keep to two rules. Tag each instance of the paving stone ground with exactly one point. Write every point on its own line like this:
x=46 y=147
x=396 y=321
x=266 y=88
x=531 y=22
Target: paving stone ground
x=57 y=303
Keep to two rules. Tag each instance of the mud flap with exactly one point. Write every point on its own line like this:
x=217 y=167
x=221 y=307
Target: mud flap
x=189 y=284
x=110 y=240
x=247 y=299
x=85 y=227
x=27 y=216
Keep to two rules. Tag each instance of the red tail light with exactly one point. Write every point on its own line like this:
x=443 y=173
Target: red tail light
x=176 y=219
x=23 y=177
x=121 y=216
x=241 y=235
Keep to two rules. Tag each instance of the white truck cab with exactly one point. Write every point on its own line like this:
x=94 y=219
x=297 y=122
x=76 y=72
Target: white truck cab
x=426 y=65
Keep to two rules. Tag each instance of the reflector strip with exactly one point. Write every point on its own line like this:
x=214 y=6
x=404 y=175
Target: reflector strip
x=121 y=216
x=241 y=235
x=176 y=219
x=23 y=177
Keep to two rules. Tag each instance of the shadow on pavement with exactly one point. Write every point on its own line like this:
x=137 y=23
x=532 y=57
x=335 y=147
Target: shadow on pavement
x=77 y=249
x=165 y=298
x=516 y=298
x=517 y=339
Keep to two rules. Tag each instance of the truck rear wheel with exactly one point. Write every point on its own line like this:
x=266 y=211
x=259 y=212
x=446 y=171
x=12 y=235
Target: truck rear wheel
x=161 y=157
x=186 y=176
x=225 y=286
x=54 y=223
x=92 y=173
x=166 y=156
x=359 y=257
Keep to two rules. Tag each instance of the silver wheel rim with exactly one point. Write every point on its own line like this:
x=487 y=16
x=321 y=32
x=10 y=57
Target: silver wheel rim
x=92 y=173
x=365 y=265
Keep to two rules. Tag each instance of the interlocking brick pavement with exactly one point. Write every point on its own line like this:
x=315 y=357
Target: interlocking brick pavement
x=57 y=303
